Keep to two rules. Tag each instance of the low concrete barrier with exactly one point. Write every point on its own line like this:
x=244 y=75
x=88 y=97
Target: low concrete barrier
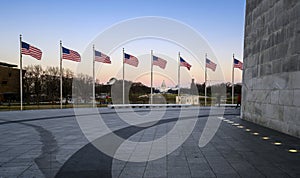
x=226 y=105
x=112 y=106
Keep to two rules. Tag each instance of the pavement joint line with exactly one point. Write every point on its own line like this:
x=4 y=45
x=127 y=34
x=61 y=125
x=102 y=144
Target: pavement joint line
x=209 y=164
x=29 y=166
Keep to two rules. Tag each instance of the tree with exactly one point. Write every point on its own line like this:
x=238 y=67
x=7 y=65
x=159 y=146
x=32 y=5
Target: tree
x=33 y=82
x=201 y=88
x=82 y=87
x=68 y=76
x=27 y=86
x=52 y=83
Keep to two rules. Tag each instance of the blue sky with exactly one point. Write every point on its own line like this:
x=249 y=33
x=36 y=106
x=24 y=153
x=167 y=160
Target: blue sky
x=77 y=23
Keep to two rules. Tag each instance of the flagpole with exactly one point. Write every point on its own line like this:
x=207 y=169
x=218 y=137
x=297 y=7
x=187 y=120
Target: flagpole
x=123 y=79
x=179 y=78
x=205 y=76
x=94 y=76
x=60 y=65
x=151 y=99
x=232 y=97
x=21 y=75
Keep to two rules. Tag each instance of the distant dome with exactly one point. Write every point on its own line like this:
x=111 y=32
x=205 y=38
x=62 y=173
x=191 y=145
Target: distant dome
x=163 y=88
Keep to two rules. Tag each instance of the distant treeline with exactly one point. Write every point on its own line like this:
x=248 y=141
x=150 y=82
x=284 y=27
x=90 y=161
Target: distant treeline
x=43 y=85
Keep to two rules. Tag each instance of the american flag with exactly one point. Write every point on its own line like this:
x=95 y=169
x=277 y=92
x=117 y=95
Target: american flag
x=70 y=55
x=100 y=57
x=185 y=64
x=28 y=49
x=211 y=65
x=237 y=64
x=159 y=62
x=131 y=60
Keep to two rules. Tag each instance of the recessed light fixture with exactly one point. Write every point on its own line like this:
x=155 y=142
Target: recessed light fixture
x=236 y=124
x=248 y=130
x=293 y=150
x=255 y=133
x=277 y=143
x=265 y=138
x=240 y=126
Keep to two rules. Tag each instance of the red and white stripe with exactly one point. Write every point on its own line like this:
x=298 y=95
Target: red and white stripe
x=33 y=51
x=211 y=65
x=185 y=64
x=132 y=61
x=73 y=56
x=103 y=58
x=238 y=64
x=159 y=62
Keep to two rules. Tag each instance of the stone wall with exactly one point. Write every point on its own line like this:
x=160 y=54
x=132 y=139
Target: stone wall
x=271 y=76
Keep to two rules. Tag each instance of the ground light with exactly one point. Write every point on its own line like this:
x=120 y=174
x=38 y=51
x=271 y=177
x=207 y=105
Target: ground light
x=248 y=130
x=293 y=150
x=255 y=133
x=265 y=138
x=277 y=143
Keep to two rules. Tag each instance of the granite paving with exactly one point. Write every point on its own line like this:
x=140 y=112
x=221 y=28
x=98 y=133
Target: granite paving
x=65 y=143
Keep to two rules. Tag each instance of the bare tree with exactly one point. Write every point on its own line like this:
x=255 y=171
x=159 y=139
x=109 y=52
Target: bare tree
x=52 y=83
x=33 y=82
x=82 y=87
x=68 y=76
x=28 y=83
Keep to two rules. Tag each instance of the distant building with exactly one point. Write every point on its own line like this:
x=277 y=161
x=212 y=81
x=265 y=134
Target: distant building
x=163 y=88
x=187 y=99
x=9 y=82
x=192 y=98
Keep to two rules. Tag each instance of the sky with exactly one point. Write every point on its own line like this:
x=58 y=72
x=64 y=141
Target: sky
x=43 y=24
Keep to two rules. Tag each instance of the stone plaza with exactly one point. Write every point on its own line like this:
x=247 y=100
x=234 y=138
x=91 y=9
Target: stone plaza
x=53 y=143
